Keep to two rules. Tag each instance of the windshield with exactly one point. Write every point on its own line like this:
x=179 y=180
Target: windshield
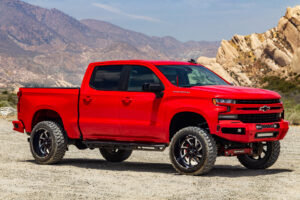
x=190 y=75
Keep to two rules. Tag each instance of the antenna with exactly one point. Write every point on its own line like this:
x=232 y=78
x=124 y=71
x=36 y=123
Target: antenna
x=192 y=61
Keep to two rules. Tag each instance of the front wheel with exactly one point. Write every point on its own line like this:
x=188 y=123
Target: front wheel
x=114 y=154
x=264 y=156
x=193 y=151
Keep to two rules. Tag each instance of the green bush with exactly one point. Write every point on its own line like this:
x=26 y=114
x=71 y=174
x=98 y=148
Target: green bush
x=4 y=104
x=294 y=118
x=281 y=85
x=5 y=92
x=8 y=99
x=290 y=92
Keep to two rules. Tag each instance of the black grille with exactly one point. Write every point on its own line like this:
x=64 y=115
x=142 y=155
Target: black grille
x=257 y=108
x=257 y=101
x=259 y=118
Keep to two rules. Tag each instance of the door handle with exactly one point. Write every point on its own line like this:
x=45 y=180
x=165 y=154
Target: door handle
x=127 y=100
x=87 y=99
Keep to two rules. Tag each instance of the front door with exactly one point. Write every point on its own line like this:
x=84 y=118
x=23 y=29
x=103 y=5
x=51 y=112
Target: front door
x=139 y=109
x=98 y=103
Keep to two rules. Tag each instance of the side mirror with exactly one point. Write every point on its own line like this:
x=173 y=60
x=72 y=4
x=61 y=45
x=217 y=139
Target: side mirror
x=154 y=87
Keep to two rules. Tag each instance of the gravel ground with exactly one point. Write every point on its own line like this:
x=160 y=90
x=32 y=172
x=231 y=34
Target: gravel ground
x=145 y=175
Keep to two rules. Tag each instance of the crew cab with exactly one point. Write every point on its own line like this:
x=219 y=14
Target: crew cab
x=150 y=105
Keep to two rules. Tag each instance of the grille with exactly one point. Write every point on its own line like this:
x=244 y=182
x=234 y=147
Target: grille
x=259 y=118
x=257 y=108
x=257 y=101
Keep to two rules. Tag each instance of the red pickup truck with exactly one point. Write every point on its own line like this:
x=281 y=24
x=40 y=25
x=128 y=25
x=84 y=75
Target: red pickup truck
x=150 y=105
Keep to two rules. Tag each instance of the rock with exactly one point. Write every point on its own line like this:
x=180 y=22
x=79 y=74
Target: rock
x=281 y=58
x=226 y=52
x=255 y=42
x=248 y=59
x=295 y=64
x=291 y=34
x=212 y=64
x=289 y=25
x=240 y=41
x=7 y=111
x=293 y=14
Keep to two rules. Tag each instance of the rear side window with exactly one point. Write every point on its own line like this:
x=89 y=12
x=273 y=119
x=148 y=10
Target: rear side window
x=106 y=77
x=140 y=75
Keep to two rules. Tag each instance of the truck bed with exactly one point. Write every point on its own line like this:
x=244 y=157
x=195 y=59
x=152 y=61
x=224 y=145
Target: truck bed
x=61 y=100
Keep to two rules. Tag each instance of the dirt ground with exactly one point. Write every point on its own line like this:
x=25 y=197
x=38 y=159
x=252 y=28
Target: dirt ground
x=146 y=175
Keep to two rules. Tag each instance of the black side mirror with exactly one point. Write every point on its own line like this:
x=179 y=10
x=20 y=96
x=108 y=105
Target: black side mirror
x=153 y=87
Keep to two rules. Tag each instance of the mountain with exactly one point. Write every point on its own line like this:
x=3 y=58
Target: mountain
x=47 y=47
x=259 y=58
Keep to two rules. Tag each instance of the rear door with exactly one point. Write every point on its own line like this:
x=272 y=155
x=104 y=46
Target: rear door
x=99 y=103
x=139 y=110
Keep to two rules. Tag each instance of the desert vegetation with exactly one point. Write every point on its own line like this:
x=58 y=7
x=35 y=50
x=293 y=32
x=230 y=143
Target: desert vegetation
x=8 y=98
x=290 y=92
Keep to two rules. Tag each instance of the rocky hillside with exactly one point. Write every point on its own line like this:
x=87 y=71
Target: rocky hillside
x=247 y=60
x=46 y=47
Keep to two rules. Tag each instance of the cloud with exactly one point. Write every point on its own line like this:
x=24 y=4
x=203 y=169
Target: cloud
x=120 y=12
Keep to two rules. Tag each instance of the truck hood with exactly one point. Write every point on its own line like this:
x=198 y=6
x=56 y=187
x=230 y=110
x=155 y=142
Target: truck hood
x=235 y=92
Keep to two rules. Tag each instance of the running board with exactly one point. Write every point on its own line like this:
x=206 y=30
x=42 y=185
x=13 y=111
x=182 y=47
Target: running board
x=125 y=145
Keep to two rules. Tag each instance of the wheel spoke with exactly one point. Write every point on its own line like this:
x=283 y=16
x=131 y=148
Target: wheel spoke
x=199 y=155
x=188 y=140
x=197 y=160
x=264 y=151
x=190 y=161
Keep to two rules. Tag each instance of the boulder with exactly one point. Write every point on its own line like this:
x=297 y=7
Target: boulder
x=295 y=64
x=226 y=52
x=240 y=41
x=255 y=42
x=7 y=111
x=281 y=58
x=212 y=64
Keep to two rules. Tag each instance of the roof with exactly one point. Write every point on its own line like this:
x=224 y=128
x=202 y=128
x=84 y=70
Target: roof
x=154 y=62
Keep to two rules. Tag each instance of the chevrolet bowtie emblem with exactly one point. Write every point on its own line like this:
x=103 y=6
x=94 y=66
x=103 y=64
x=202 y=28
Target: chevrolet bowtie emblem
x=264 y=108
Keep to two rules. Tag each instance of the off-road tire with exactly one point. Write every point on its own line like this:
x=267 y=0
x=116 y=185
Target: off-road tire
x=267 y=161
x=115 y=155
x=58 y=142
x=209 y=152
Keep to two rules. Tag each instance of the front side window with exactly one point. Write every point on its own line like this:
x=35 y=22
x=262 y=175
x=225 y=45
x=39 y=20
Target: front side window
x=190 y=75
x=106 y=77
x=138 y=76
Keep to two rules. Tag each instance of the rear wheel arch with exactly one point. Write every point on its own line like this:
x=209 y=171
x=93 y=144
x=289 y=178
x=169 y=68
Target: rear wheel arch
x=46 y=115
x=184 y=119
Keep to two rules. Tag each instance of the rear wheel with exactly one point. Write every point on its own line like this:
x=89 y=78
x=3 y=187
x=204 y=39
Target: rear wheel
x=264 y=156
x=48 y=143
x=114 y=154
x=193 y=151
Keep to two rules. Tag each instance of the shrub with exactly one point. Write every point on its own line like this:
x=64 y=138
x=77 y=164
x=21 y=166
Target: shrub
x=294 y=118
x=4 y=104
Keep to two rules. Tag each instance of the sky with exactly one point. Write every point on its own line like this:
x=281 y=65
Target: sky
x=210 y=20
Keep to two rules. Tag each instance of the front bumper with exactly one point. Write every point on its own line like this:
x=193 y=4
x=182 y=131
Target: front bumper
x=250 y=130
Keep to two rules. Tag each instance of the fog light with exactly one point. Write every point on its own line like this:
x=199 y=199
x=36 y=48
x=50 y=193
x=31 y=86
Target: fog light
x=228 y=117
x=261 y=135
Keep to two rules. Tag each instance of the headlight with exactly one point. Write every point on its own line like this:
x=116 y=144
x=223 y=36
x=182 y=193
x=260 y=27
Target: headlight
x=217 y=101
